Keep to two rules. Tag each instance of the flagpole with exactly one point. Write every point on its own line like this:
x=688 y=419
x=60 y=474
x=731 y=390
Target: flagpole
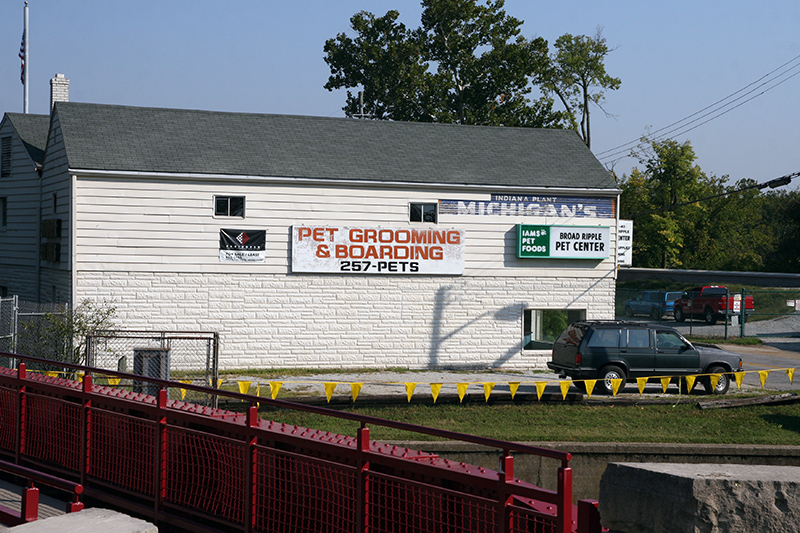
x=26 y=72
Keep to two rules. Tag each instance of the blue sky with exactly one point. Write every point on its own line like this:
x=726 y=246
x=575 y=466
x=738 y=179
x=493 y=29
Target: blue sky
x=674 y=58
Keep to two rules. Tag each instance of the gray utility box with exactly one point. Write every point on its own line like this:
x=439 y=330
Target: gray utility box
x=150 y=363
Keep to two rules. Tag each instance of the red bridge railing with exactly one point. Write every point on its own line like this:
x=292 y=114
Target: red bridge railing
x=205 y=469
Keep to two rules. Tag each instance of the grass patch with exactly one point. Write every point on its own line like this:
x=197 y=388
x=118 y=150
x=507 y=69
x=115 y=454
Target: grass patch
x=682 y=423
x=741 y=341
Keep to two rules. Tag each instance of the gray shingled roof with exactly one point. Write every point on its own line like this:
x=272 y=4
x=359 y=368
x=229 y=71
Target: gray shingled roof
x=32 y=130
x=119 y=138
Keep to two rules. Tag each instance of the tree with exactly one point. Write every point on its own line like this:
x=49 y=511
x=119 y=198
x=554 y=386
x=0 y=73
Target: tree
x=577 y=75
x=684 y=218
x=62 y=336
x=467 y=63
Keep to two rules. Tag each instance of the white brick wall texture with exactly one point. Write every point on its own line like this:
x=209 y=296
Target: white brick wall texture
x=294 y=321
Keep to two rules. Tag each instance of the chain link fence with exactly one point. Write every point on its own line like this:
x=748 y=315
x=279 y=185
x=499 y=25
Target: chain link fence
x=776 y=312
x=191 y=357
x=26 y=329
x=23 y=329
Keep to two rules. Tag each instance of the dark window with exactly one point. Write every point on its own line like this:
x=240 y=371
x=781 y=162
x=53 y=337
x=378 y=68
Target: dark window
x=604 y=338
x=3 y=212
x=423 y=213
x=229 y=206
x=638 y=338
x=5 y=157
x=669 y=339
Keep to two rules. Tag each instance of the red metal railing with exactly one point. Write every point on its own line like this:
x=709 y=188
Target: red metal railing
x=207 y=469
x=29 y=505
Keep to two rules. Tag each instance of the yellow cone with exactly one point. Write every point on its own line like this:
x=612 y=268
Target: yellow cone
x=540 y=385
x=329 y=388
x=513 y=386
x=462 y=390
x=487 y=390
x=564 y=388
x=641 y=382
x=274 y=387
x=590 y=383
x=762 y=375
x=435 y=389
x=615 y=385
x=410 y=390
x=355 y=388
x=739 y=376
x=665 y=384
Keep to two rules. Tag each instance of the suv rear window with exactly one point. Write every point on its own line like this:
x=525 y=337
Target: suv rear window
x=716 y=291
x=572 y=336
x=604 y=338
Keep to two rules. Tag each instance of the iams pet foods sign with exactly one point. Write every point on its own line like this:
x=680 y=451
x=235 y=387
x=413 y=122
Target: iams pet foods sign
x=569 y=242
x=331 y=249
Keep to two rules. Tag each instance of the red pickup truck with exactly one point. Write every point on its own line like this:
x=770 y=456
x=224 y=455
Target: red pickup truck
x=712 y=303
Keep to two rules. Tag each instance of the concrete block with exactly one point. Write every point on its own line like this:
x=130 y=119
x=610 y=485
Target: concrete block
x=93 y=519
x=699 y=498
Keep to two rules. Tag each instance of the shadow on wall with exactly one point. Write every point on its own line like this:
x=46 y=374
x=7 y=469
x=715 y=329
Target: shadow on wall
x=509 y=313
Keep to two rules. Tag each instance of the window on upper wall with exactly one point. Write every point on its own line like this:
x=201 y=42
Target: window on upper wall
x=229 y=206
x=423 y=212
x=3 y=212
x=5 y=157
x=541 y=327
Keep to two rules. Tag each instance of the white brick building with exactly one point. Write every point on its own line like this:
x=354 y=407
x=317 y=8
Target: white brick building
x=143 y=208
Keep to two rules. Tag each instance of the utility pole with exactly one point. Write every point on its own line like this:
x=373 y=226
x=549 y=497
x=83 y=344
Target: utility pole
x=25 y=62
x=361 y=107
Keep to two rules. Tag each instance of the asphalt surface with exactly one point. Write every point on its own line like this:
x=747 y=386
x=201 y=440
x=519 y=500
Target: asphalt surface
x=775 y=355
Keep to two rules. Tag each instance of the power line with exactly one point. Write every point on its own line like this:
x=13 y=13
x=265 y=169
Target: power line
x=677 y=127
x=772 y=184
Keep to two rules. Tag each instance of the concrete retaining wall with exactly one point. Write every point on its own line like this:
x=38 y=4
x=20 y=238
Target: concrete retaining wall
x=590 y=460
x=700 y=498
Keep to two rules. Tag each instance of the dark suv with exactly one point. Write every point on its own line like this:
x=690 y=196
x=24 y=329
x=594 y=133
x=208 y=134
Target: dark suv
x=606 y=350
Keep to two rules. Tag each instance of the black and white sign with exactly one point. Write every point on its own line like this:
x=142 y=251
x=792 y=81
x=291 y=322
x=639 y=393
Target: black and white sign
x=242 y=246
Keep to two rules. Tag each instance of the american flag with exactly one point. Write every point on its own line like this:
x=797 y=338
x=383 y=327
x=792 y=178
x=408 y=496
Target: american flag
x=22 y=57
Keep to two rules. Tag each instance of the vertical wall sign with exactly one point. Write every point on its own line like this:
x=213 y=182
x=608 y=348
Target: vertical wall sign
x=625 y=242
x=567 y=242
x=242 y=246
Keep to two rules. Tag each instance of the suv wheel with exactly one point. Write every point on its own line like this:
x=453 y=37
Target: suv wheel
x=679 y=315
x=655 y=314
x=711 y=316
x=722 y=385
x=628 y=310
x=606 y=375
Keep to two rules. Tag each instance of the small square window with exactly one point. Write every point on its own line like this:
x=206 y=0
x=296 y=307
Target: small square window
x=229 y=206
x=419 y=212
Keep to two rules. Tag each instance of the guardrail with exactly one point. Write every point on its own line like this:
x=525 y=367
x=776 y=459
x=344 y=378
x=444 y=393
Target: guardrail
x=29 y=508
x=206 y=469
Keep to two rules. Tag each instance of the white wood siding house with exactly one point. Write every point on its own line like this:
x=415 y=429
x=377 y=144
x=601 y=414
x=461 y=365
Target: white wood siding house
x=22 y=141
x=143 y=230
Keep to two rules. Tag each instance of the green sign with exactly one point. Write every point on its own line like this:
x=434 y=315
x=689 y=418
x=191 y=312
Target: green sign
x=567 y=242
x=533 y=241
